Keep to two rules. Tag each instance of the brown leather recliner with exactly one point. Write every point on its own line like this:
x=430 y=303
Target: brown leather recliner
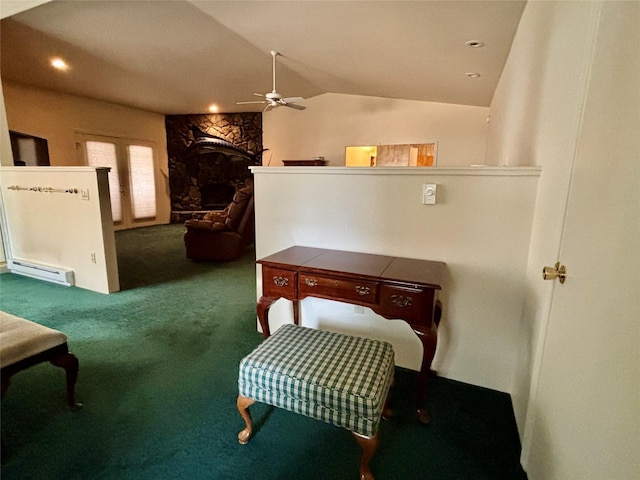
x=222 y=235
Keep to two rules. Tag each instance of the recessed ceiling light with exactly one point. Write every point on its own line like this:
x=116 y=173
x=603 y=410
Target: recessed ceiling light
x=59 y=64
x=213 y=108
x=474 y=43
x=473 y=75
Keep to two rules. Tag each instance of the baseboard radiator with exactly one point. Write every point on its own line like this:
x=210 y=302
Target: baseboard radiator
x=59 y=275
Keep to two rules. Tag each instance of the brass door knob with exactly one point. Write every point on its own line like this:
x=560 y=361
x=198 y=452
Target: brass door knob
x=557 y=271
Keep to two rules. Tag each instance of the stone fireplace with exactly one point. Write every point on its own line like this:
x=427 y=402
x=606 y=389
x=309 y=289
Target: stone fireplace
x=204 y=175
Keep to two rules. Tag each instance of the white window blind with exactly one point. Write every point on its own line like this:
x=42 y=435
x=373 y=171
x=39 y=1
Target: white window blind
x=103 y=154
x=143 y=188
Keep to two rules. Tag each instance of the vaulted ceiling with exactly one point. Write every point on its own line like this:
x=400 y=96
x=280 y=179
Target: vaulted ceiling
x=180 y=56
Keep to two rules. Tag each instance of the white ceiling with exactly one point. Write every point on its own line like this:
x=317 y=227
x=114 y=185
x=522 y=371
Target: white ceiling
x=180 y=56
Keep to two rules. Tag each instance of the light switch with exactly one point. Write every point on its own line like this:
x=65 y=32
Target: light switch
x=429 y=194
x=84 y=194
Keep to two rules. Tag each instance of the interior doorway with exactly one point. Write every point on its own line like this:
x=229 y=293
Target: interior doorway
x=401 y=155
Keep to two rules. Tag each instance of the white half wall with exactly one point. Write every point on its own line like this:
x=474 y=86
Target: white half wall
x=480 y=227
x=333 y=121
x=62 y=229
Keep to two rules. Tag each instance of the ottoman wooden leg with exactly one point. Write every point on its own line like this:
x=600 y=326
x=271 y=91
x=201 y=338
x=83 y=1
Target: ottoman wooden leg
x=369 y=446
x=243 y=407
x=387 y=410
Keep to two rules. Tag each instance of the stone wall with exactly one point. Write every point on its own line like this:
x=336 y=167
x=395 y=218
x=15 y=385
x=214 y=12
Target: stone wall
x=208 y=181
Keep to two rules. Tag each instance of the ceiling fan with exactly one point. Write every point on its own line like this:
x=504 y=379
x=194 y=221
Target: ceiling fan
x=274 y=99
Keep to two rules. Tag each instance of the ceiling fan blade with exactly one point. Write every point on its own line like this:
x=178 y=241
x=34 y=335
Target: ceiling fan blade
x=259 y=95
x=294 y=105
x=293 y=100
x=247 y=103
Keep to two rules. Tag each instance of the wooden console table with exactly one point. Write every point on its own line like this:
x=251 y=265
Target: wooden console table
x=393 y=287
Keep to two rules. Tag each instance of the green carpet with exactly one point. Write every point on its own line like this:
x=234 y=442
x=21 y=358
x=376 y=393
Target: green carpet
x=158 y=379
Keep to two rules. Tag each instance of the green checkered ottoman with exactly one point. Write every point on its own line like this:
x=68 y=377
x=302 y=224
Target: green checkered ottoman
x=336 y=378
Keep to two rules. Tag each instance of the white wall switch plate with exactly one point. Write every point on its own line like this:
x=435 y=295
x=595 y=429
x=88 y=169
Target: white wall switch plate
x=84 y=194
x=429 y=194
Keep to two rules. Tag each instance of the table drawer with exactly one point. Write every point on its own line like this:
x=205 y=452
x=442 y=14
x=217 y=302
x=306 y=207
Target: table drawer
x=408 y=303
x=338 y=288
x=278 y=282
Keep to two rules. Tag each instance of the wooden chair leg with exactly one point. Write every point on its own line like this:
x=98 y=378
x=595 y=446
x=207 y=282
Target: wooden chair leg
x=243 y=407
x=69 y=362
x=369 y=446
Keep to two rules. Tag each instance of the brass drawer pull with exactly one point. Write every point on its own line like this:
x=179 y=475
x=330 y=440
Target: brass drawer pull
x=281 y=281
x=401 y=300
x=363 y=290
x=312 y=282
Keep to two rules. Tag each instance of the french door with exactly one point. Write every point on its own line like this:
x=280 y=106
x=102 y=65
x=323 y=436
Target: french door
x=132 y=185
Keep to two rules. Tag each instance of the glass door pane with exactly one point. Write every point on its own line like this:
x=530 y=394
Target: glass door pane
x=103 y=154
x=142 y=181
